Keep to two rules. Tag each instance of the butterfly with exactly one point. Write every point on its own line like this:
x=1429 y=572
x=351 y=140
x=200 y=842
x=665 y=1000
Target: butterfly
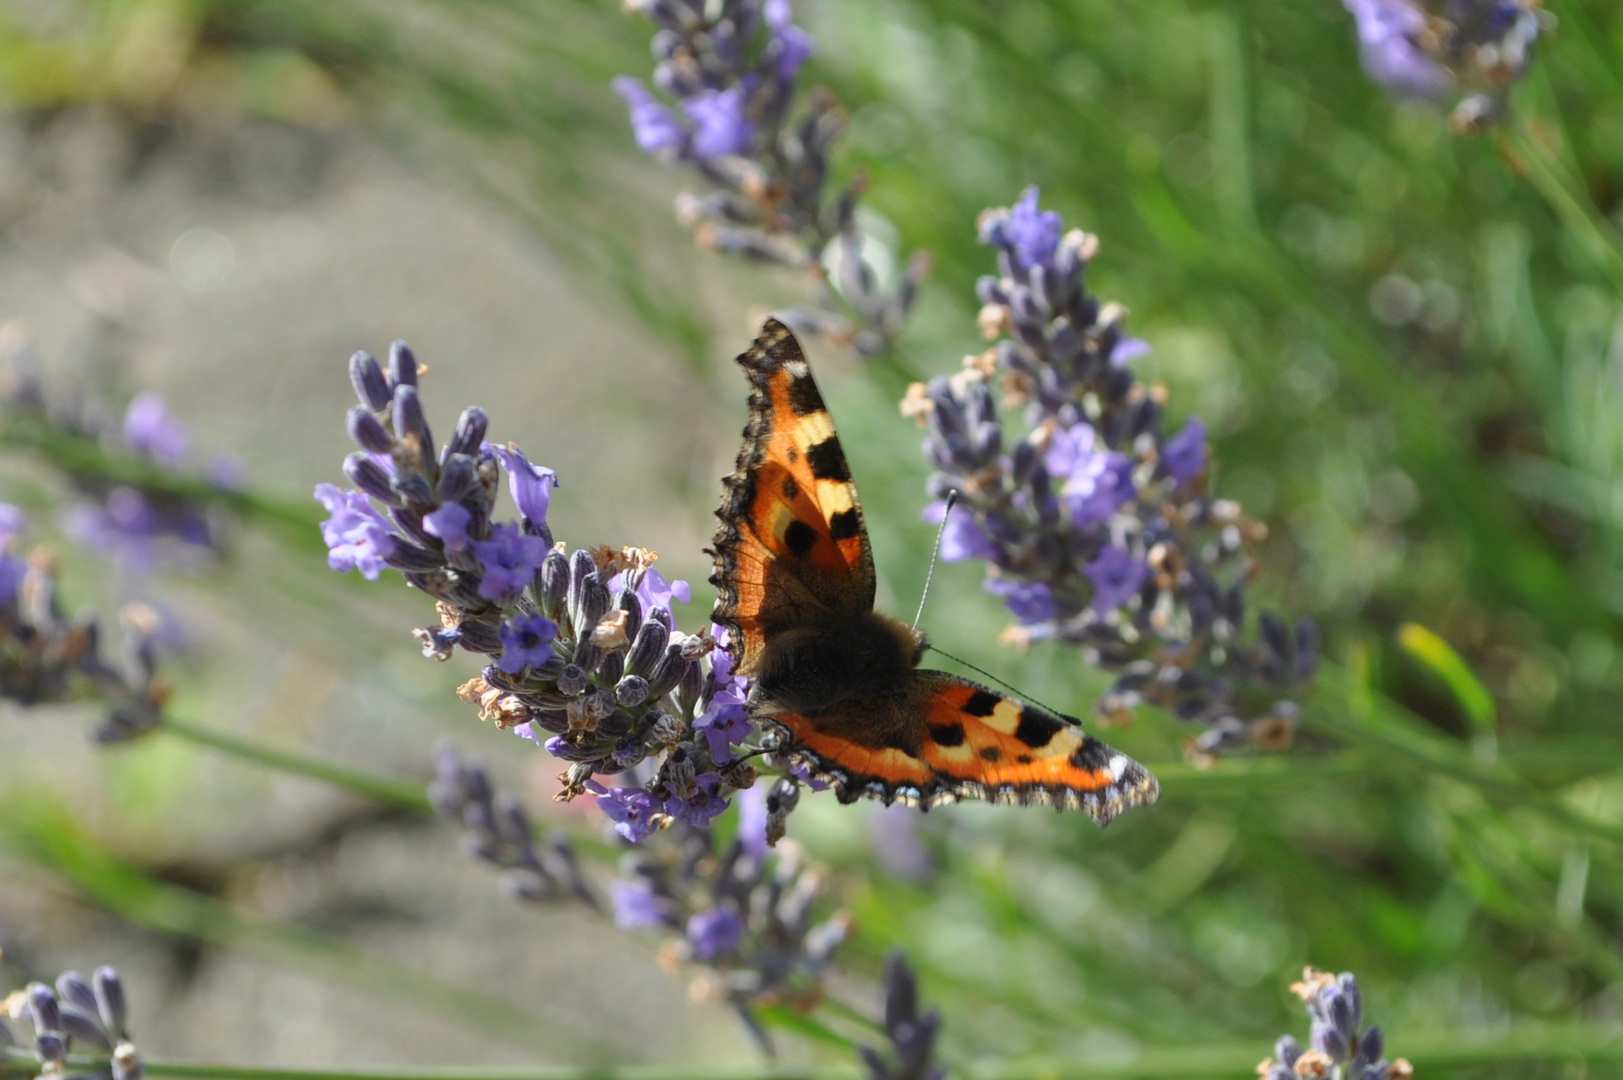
x=794 y=575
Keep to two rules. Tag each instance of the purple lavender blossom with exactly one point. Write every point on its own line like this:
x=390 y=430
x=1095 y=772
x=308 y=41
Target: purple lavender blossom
x=720 y=128
x=792 y=45
x=636 y=813
x=752 y=821
x=1184 y=455
x=714 y=932
x=450 y=524
x=963 y=538
x=526 y=640
x=357 y=536
x=1032 y=235
x=724 y=725
x=1094 y=483
x=12 y=569
x=653 y=591
x=510 y=560
x=1031 y=602
x=152 y=431
x=637 y=906
x=1388 y=32
x=702 y=806
x=655 y=127
x=1116 y=577
x=531 y=485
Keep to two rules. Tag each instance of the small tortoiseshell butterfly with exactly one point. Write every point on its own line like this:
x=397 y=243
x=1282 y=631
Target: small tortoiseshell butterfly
x=795 y=576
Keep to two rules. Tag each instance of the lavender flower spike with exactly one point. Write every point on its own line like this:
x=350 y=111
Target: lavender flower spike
x=1340 y=1045
x=75 y=1017
x=1094 y=523
x=1473 y=50
x=912 y=1037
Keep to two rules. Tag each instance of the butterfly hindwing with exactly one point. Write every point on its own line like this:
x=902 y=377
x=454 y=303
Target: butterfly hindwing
x=946 y=738
x=792 y=544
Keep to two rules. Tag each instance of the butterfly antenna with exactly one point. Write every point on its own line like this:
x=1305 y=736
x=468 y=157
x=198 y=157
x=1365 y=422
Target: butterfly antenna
x=1021 y=694
x=952 y=498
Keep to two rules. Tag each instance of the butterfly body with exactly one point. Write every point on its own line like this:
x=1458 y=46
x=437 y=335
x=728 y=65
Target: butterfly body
x=795 y=580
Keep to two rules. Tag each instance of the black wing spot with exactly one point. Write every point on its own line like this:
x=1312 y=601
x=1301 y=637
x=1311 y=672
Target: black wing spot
x=1091 y=756
x=846 y=525
x=991 y=753
x=980 y=703
x=1024 y=759
x=793 y=455
x=803 y=396
x=790 y=489
x=800 y=537
x=1037 y=728
x=827 y=461
x=948 y=734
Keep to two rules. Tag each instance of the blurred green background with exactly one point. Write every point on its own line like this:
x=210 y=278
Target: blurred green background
x=1408 y=346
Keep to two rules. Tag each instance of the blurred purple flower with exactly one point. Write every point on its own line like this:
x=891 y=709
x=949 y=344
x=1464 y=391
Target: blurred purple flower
x=637 y=906
x=893 y=833
x=1128 y=349
x=510 y=560
x=1029 y=601
x=357 y=536
x=719 y=125
x=526 y=641
x=653 y=590
x=1116 y=577
x=1033 y=234
x=150 y=430
x=1387 y=33
x=1094 y=483
x=752 y=821
x=713 y=932
x=657 y=130
x=963 y=538
x=1184 y=455
x=792 y=44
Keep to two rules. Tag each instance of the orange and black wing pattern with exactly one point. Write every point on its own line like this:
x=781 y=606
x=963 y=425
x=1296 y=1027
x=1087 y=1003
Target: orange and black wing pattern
x=792 y=546
x=946 y=738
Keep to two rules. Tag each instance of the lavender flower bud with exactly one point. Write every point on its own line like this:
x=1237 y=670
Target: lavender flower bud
x=1329 y=1041
x=1346 y=982
x=632 y=606
x=631 y=691
x=459 y=476
x=690 y=685
x=402 y=366
x=610 y=668
x=368 y=476
x=572 y=680
x=367 y=432
x=82 y=1027
x=1287 y=1050
x=469 y=432
x=71 y=987
x=581 y=567
x=370 y=385
x=410 y=422
x=554 y=584
x=43 y=1009
x=50 y=1049
x=647 y=647
x=1371 y=1045
x=667 y=673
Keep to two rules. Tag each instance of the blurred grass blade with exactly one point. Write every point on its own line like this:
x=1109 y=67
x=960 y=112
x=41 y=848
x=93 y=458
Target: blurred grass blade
x=1441 y=660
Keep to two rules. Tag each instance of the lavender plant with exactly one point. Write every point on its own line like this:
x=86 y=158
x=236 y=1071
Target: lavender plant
x=1096 y=524
x=496 y=829
x=745 y=918
x=912 y=1037
x=1340 y=1047
x=732 y=68
x=584 y=655
x=47 y=658
x=137 y=524
x=88 y=1019
x=1471 y=51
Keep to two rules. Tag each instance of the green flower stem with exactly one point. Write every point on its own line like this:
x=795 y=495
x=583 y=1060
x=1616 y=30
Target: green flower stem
x=1555 y=182
x=401 y=793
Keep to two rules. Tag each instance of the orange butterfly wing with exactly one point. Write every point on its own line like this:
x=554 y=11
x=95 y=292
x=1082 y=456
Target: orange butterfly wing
x=959 y=740
x=792 y=545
